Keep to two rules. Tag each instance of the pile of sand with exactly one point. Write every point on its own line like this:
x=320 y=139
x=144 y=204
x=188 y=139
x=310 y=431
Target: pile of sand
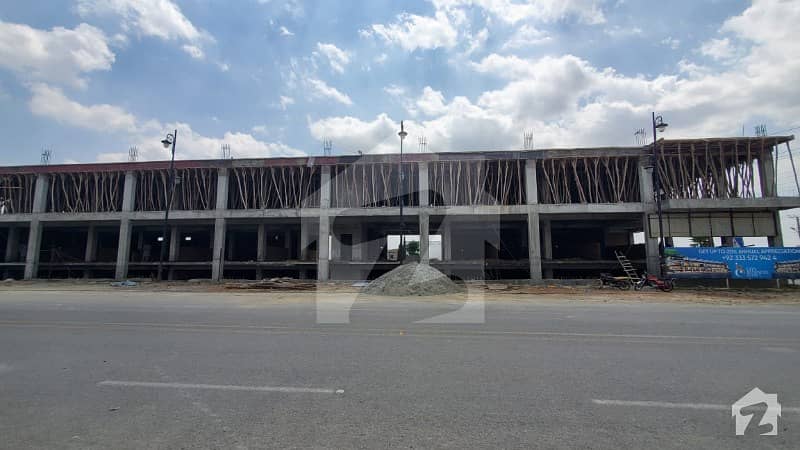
x=412 y=279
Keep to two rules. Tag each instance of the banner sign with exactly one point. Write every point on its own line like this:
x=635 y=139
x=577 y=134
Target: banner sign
x=748 y=263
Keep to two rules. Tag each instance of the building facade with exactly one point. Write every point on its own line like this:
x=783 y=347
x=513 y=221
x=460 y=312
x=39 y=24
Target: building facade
x=551 y=213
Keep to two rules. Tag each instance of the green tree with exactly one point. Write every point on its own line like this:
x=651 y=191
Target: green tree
x=412 y=248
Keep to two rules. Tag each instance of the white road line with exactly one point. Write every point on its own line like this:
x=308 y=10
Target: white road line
x=652 y=404
x=222 y=387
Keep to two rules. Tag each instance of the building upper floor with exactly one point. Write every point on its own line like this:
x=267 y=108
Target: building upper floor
x=687 y=170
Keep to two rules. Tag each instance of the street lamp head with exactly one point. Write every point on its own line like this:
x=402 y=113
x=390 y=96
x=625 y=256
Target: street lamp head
x=660 y=124
x=402 y=132
x=167 y=141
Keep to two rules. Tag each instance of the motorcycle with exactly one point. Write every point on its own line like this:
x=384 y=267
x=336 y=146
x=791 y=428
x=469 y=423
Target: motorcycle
x=665 y=285
x=621 y=283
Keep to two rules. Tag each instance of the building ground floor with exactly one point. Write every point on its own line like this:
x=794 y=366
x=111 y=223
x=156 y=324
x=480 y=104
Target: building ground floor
x=532 y=245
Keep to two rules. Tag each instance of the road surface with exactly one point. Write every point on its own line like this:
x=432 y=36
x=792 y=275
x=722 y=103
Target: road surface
x=127 y=369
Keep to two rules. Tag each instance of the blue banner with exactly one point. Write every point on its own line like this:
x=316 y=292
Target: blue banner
x=747 y=263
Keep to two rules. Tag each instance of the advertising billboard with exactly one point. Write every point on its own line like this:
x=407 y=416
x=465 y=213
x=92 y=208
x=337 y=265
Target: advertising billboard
x=746 y=263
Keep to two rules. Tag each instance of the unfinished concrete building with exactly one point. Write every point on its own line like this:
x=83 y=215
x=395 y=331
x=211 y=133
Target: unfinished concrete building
x=551 y=213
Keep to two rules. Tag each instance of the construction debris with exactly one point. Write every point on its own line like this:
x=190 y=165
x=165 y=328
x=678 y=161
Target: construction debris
x=282 y=283
x=412 y=279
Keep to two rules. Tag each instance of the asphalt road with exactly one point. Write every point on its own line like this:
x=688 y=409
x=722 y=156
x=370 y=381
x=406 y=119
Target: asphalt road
x=143 y=370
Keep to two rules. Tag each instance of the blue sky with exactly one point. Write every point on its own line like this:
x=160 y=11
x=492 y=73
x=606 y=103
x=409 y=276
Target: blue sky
x=90 y=78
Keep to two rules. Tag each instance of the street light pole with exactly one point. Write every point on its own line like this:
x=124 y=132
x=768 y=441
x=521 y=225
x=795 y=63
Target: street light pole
x=401 y=248
x=658 y=124
x=167 y=142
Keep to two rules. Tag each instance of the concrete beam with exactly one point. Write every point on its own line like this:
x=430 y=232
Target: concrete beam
x=123 y=249
x=218 y=251
x=323 y=262
x=732 y=203
x=534 y=247
x=531 y=184
x=424 y=238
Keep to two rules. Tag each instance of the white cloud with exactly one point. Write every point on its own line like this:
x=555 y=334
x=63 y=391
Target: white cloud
x=194 y=51
x=526 y=36
x=285 y=31
x=567 y=101
x=719 y=49
x=158 y=18
x=285 y=102
x=50 y=102
x=352 y=134
x=509 y=11
x=412 y=32
x=477 y=41
x=193 y=145
x=60 y=55
x=382 y=58
x=337 y=58
x=320 y=89
x=617 y=31
x=671 y=42
x=431 y=102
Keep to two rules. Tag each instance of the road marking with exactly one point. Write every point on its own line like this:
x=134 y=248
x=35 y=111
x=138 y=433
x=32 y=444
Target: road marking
x=222 y=387
x=415 y=332
x=651 y=404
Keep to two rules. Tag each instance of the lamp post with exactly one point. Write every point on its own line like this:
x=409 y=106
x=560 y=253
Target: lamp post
x=168 y=142
x=401 y=251
x=660 y=125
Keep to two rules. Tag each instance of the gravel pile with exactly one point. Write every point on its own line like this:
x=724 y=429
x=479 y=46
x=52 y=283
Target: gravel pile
x=412 y=279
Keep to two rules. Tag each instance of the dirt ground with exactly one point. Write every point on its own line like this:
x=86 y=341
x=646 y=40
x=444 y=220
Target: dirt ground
x=488 y=291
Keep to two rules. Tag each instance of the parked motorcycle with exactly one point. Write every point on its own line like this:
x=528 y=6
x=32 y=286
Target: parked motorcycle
x=621 y=283
x=664 y=285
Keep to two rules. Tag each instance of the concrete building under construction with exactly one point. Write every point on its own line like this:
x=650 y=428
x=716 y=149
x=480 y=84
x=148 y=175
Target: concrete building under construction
x=533 y=214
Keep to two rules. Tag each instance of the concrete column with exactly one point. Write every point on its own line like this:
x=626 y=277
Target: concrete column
x=173 y=253
x=766 y=175
x=547 y=244
x=218 y=255
x=222 y=189
x=306 y=238
x=123 y=248
x=359 y=242
x=323 y=263
x=325 y=187
x=91 y=244
x=261 y=249
x=34 y=244
x=424 y=193
x=447 y=240
x=424 y=238
x=777 y=240
x=531 y=185
x=35 y=230
x=534 y=247
x=648 y=202
x=129 y=192
x=12 y=244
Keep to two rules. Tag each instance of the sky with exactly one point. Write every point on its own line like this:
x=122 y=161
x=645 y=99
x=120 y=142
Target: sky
x=88 y=79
